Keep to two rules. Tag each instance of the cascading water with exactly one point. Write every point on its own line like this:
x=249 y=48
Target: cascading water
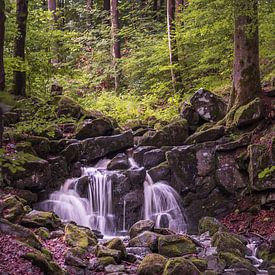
x=161 y=203
x=94 y=211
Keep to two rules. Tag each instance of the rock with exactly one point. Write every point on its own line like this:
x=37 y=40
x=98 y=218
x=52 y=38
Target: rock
x=74 y=260
x=56 y=234
x=68 y=107
x=152 y=264
x=78 y=236
x=72 y=152
x=22 y=233
x=49 y=267
x=160 y=172
x=172 y=134
x=43 y=233
x=228 y=175
x=180 y=265
x=114 y=268
x=136 y=176
x=153 y=158
x=59 y=171
x=139 y=251
x=105 y=261
x=25 y=147
x=226 y=242
x=102 y=251
x=41 y=145
x=211 y=134
x=36 y=176
x=145 y=239
x=94 y=148
x=10 y=118
x=209 y=106
x=141 y=226
x=119 y=162
x=248 y=114
x=260 y=161
x=117 y=244
x=189 y=113
x=211 y=225
x=232 y=260
x=12 y=208
x=139 y=152
x=164 y=231
x=199 y=263
x=94 y=128
x=175 y=246
x=40 y=218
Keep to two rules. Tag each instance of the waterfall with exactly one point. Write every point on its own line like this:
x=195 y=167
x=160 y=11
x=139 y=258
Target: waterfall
x=161 y=203
x=94 y=211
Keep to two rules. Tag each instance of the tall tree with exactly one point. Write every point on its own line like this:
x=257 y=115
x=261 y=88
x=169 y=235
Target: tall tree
x=2 y=38
x=19 y=48
x=115 y=40
x=246 y=72
x=52 y=8
x=172 y=45
x=107 y=5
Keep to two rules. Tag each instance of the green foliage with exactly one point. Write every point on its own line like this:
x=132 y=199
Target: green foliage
x=267 y=172
x=14 y=162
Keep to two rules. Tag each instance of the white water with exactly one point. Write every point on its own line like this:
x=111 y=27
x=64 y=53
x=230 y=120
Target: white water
x=161 y=203
x=95 y=211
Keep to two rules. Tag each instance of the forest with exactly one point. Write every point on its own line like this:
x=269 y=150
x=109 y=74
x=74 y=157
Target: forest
x=137 y=137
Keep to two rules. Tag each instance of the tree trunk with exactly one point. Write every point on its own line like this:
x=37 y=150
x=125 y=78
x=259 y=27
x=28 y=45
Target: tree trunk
x=2 y=39
x=90 y=4
x=19 y=49
x=115 y=40
x=106 y=5
x=52 y=8
x=172 y=45
x=1 y=127
x=246 y=72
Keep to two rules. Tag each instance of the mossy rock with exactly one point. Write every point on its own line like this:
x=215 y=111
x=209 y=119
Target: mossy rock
x=102 y=251
x=107 y=260
x=25 y=147
x=226 y=242
x=152 y=264
x=23 y=234
x=180 y=265
x=68 y=107
x=248 y=114
x=41 y=219
x=201 y=264
x=40 y=260
x=146 y=239
x=141 y=226
x=210 y=224
x=79 y=237
x=12 y=208
x=117 y=244
x=232 y=259
x=175 y=245
x=43 y=233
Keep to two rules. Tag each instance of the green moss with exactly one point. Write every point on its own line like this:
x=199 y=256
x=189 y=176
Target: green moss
x=43 y=233
x=107 y=260
x=201 y=264
x=152 y=264
x=180 y=265
x=210 y=224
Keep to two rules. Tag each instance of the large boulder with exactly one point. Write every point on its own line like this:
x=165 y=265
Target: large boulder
x=94 y=148
x=119 y=162
x=117 y=244
x=248 y=114
x=76 y=236
x=211 y=225
x=175 y=246
x=152 y=264
x=145 y=239
x=94 y=128
x=68 y=107
x=180 y=265
x=209 y=106
x=12 y=208
x=153 y=158
x=141 y=226
x=172 y=134
x=41 y=219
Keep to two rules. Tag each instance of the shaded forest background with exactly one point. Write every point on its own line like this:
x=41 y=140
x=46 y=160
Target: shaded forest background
x=72 y=49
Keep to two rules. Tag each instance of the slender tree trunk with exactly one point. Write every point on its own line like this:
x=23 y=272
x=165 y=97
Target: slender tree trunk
x=115 y=40
x=246 y=72
x=172 y=45
x=1 y=128
x=106 y=5
x=19 y=49
x=90 y=4
x=52 y=8
x=2 y=39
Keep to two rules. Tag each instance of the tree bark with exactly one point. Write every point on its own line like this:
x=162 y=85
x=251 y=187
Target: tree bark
x=2 y=39
x=19 y=49
x=115 y=40
x=172 y=45
x=106 y=5
x=246 y=71
x=52 y=8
